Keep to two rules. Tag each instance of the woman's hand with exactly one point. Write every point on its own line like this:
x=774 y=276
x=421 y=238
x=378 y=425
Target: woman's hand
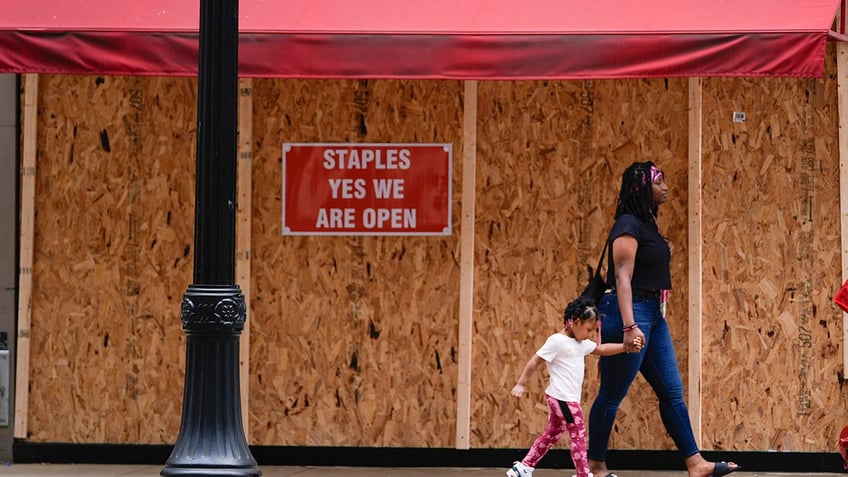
x=630 y=346
x=518 y=390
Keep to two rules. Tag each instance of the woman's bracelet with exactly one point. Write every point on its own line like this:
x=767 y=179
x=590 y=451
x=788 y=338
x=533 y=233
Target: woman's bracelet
x=630 y=327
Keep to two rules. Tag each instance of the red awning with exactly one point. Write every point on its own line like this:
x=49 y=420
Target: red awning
x=459 y=39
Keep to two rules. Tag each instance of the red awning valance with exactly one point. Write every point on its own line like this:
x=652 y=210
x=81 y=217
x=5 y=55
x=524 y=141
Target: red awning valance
x=459 y=39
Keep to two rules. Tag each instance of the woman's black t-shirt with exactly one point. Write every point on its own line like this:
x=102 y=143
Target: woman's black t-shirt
x=651 y=270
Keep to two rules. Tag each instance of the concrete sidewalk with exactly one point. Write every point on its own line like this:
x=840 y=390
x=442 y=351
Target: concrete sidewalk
x=88 y=470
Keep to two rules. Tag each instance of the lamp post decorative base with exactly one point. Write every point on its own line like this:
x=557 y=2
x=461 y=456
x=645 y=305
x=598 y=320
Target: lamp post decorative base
x=211 y=440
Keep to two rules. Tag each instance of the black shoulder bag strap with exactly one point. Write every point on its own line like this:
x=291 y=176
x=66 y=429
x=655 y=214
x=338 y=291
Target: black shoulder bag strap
x=601 y=260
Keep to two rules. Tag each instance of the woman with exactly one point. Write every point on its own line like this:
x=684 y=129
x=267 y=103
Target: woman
x=639 y=276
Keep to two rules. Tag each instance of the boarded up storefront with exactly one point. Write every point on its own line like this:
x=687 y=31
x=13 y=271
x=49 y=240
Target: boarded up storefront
x=372 y=330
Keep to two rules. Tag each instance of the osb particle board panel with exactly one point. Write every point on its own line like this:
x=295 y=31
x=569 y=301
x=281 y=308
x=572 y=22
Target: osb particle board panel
x=113 y=242
x=648 y=120
x=773 y=374
x=528 y=228
x=550 y=158
x=354 y=338
x=362 y=330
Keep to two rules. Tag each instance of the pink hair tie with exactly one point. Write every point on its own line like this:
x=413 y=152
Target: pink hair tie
x=656 y=174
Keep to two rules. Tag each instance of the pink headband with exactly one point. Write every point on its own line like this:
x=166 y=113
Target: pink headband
x=656 y=173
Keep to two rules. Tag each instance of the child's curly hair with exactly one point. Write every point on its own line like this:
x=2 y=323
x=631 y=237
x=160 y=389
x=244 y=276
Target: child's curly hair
x=581 y=308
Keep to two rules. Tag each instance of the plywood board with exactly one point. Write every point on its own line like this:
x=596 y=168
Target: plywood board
x=355 y=330
x=772 y=338
x=113 y=248
x=550 y=160
x=365 y=330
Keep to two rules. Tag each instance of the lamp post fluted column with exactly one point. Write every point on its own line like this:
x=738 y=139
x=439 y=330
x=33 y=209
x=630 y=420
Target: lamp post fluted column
x=211 y=441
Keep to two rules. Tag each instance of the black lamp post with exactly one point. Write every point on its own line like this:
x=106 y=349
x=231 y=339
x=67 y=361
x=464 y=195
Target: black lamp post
x=211 y=441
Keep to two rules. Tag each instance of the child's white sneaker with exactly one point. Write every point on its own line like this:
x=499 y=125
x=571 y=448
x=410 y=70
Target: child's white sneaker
x=519 y=470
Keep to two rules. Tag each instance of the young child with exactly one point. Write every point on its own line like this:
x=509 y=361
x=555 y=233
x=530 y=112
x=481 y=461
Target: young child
x=564 y=353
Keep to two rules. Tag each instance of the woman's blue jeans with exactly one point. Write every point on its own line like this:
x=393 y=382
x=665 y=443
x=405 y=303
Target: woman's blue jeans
x=657 y=363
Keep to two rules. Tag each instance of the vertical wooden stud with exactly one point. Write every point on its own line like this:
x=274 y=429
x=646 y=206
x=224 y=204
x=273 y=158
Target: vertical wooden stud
x=244 y=191
x=842 y=99
x=466 y=286
x=30 y=134
x=695 y=255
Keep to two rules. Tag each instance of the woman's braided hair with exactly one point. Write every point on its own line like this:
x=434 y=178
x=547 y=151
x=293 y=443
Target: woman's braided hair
x=581 y=308
x=637 y=195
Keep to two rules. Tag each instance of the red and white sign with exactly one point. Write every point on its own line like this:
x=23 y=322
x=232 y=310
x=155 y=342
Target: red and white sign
x=366 y=189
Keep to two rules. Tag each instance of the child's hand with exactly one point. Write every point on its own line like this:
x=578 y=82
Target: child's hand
x=637 y=342
x=518 y=390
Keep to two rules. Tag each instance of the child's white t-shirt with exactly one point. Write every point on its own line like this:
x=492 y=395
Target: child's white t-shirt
x=565 y=358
